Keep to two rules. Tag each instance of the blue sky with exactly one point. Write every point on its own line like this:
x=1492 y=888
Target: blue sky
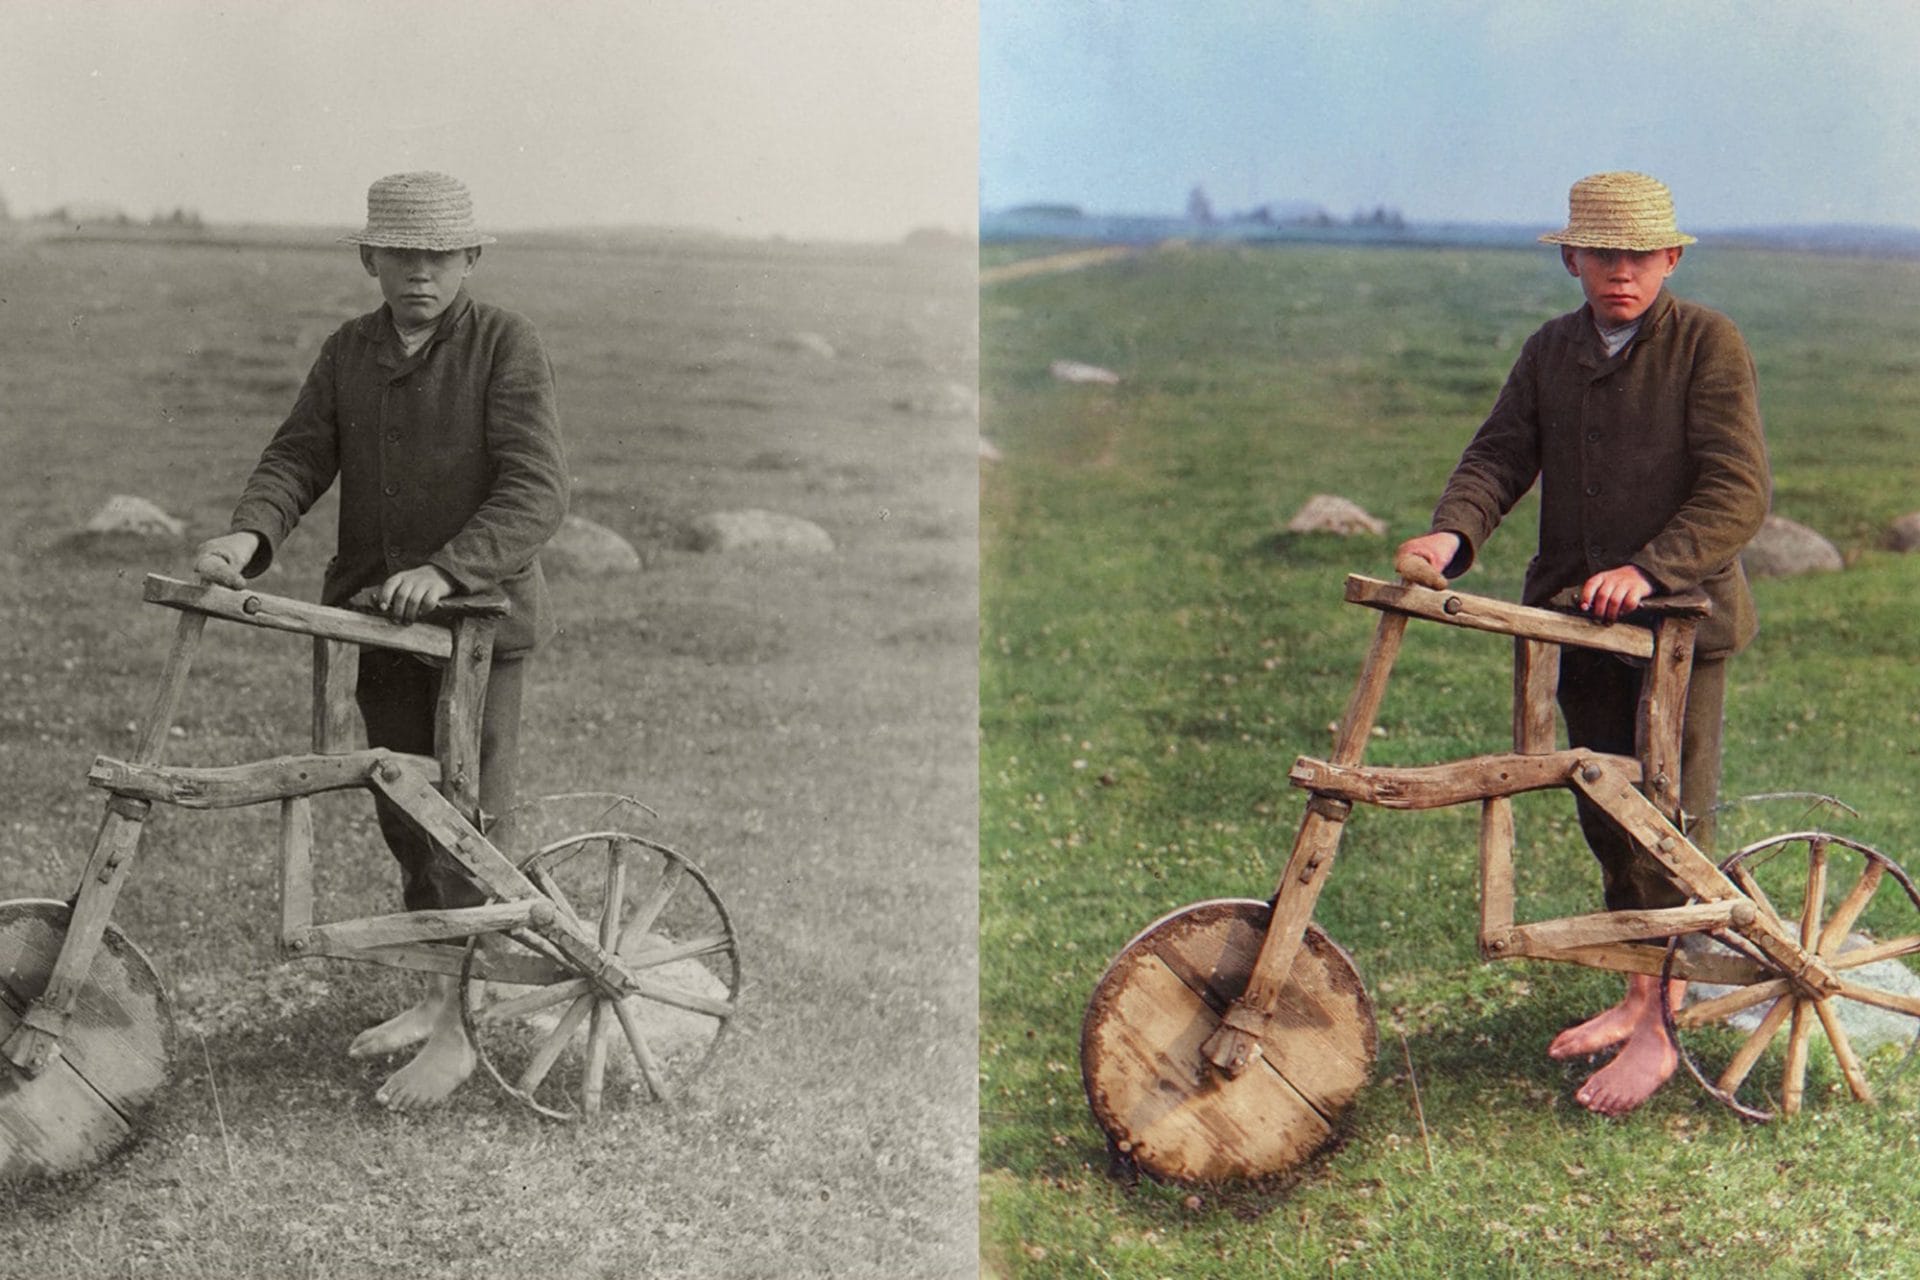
x=828 y=118
x=1760 y=112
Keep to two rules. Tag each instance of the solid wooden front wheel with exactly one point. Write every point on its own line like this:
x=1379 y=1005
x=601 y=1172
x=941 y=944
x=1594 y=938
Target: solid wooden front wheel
x=1751 y=1045
x=554 y=1045
x=114 y=1054
x=1164 y=1107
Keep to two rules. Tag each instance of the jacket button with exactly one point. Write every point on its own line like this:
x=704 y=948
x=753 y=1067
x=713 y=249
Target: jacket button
x=1593 y=437
x=1594 y=551
x=394 y=488
x=1593 y=490
x=393 y=437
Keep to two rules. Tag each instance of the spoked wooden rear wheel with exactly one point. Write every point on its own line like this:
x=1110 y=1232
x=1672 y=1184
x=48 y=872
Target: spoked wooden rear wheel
x=114 y=1056
x=553 y=1046
x=1855 y=910
x=1169 y=1111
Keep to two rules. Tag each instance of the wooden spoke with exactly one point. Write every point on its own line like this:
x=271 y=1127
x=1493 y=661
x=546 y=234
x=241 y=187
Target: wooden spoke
x=1816 y=899
x=1843 y=1051
x=679 y=998
x=542 y=877
x=1793 y=1079
x=712 y=945
x=1751 y=887
x=1719 y=1007
x=648 y=911
x=1891 y=949
x=642 y=1052
x=1851 y=906
x=595 y=1085
x=615 y=898
x=1756 y=1044
x=1881 y=999
x=554 y=1045
x=534 y=1001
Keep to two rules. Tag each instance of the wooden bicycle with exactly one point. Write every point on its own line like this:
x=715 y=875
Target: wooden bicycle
x=600 y=930
x=1229 y=1038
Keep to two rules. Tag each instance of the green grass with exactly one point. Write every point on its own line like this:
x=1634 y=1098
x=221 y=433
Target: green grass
x=804 y=727
x=1156 y=650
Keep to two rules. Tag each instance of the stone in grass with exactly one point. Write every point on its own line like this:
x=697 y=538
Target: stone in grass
x=755 y=530
x=672 y=1033
x=124 y=513
x=583 y=549
x=1783 y=549
x=812 y=344
x=1325 y=513
x=1904 y=533
x=1074 y=371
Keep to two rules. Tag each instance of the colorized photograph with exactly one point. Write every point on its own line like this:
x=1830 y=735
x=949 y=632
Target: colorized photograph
x=1446 y=685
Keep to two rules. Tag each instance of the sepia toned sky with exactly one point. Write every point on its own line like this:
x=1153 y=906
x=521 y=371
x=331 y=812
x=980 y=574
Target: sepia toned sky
x=1755 y=112
x=838 y=119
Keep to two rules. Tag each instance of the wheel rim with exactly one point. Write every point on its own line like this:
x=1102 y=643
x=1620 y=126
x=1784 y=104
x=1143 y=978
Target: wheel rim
x=552 y=1047
x=1858 y=912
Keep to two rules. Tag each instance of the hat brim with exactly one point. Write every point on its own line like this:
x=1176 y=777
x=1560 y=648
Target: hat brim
x=435 y=244
x=1632 y=244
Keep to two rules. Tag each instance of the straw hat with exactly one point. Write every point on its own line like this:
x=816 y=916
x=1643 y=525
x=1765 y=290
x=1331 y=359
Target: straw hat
x=419 y=211
x=1619 y=211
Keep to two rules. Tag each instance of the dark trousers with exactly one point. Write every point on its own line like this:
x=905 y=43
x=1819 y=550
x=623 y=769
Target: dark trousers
x=397 y=695
x=1600 y=698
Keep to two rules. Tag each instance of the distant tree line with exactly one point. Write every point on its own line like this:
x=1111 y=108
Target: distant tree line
x=1200 y=210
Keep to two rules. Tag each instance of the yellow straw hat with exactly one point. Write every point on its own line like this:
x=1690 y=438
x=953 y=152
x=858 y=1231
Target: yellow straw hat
x=1619 y=211
x=419 y=211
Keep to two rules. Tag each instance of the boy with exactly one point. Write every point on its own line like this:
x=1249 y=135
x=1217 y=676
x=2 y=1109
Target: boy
x=1639 y=415
x=437 y=414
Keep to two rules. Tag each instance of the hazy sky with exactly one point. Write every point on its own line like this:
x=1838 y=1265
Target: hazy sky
x=1753 y=111
x=811 y=118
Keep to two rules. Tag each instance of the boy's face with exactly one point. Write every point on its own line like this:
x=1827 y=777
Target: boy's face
x=1620 y=284
x=418 y=284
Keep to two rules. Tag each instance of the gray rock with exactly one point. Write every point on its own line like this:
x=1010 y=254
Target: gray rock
x=1325 y=513
x=812 y=344
x=989 y=452
x=1782 y=549
x=758 y=530
x=124 y=513
x=1867 y=1026
x=1904 y=534
x=1074 y=371
x=583 y=549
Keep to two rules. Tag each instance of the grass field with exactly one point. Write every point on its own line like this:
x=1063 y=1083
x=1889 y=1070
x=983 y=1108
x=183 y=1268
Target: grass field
x=804 y=726
x=1156 y=651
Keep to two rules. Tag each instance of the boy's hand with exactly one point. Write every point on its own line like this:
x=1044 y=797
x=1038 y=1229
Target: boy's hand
x=1437 y=549
x=1609 y=594
x=412 y=592
x=221 y=559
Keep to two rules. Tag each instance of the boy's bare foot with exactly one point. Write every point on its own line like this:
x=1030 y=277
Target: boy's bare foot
x=436 y=1071
x=409 y=1026
x=1636 y=1072
x=1611 y=1026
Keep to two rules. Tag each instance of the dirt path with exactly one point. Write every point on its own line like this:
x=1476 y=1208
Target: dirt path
x=1054 y=262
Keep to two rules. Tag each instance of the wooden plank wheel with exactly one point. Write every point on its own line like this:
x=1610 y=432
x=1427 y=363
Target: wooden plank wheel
x=1855 y=913
x=553 y=1046
x=1170 y=1112
x=114 y=1054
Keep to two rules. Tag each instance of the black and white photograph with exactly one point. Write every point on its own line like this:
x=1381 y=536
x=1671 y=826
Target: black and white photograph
x=488 y=596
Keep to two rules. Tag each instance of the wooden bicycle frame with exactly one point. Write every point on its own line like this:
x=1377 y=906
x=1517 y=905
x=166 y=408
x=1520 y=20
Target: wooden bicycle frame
x=439 y=796
x=1640 y=792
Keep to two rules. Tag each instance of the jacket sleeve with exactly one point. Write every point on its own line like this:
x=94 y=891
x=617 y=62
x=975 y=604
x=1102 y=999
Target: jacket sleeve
x=297 y=466
x=1732 y=484
x=1498 y=466
x=527 y=499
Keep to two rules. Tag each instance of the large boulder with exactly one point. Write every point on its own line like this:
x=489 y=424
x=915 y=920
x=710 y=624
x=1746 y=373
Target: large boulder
x=1904 y=533
x=755 y=530
x=583 y=549
x=1783 y=548
x=124 y=513
x=1325 y=513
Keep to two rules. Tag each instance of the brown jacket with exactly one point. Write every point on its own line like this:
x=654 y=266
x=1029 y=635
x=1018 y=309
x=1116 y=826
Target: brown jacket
x=449 y=457
x=1653 y=457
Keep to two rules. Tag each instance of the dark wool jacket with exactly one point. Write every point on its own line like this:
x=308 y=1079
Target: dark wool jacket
x=1653 y=457
x=449 y=457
